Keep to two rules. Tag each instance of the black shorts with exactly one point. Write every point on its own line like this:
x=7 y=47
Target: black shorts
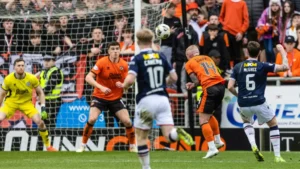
x=211 y=99
x=105 y=105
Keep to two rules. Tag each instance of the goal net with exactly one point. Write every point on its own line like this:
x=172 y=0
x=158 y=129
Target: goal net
x=77 y=34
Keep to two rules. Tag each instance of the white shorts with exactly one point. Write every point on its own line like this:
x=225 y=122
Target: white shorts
x=153 y=107
x=263 y=112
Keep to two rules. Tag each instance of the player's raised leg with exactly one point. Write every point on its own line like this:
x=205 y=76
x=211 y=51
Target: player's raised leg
x=275 y=139
x=213 y=122
x=123 y=116
x=88 y=128
x=43 y=131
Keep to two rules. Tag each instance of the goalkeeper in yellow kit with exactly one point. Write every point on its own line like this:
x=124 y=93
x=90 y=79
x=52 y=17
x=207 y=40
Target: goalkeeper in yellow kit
x=17 y=90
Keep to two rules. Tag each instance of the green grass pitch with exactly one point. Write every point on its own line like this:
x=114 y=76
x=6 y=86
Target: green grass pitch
x=159 y=160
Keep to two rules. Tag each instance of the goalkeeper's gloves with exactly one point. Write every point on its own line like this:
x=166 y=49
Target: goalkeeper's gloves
x=44 y=113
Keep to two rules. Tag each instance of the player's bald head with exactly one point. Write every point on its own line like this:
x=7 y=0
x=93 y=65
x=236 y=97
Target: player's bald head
x=192 y=51
x=144 y=37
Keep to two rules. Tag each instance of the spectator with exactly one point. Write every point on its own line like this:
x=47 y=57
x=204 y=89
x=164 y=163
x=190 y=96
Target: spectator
x=178 y=9
x=66 y=4
x=9 y=39
x=235 y=20
x=120 y=23
x=287 y=12
x=127 y=45
x=35 y=45
x=194 y=12
x=81 y=25
x=51 y=39
x=214 y=19
x=211 y=7
x=212 y=40
x=295 y=21
x=293 y=56
x=270 y=22
x=174 y=23
x=178 y=49
x=255 y=9
x=51 y=80
x=97 y=45
x=64 y=33
x=48 y=7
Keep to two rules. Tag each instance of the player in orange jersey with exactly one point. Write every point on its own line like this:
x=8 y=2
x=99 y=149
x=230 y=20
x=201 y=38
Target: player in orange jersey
x=203 y=71
x=107 y=96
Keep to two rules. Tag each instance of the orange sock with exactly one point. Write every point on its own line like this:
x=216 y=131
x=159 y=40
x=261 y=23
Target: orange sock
x=87 y=131
x=130 y=135
x=214 y=124
x=207 y=132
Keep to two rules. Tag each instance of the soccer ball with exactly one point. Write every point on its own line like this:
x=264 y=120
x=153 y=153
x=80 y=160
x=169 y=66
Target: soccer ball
x=162 y=31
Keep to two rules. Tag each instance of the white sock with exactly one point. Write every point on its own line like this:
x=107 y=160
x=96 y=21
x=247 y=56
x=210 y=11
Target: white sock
x=143 y=153
x=173 y=136
x=211 y=145
x=83 y=145
x=275 y=140
x=250 y=132
x=218 y=138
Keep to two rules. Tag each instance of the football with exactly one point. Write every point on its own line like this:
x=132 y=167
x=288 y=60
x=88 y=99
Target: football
x=162 y=31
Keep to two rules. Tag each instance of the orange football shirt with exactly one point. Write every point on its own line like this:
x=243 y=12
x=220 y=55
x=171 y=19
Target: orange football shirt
x=205 y=70
x=107 y=74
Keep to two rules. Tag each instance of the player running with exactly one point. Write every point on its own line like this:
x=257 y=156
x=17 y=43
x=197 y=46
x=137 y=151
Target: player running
x=153 y=73
x=107 y=96
x=17 y=90
x=251 y=78
x=203 y=71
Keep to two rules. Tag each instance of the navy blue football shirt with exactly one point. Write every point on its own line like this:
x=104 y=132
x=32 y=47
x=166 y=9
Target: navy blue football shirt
x=251 y=78
x=151 y=69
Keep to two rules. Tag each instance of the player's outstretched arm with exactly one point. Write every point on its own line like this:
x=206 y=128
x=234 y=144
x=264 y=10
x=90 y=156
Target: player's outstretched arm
x=129 y=80
x=172 y=78
x=285 y=64
x=90 y=79
x=2 y=95
x=231 y=87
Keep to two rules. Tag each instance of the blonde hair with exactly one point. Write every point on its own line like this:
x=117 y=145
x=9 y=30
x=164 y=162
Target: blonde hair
x=192 y=51
x=144 y=36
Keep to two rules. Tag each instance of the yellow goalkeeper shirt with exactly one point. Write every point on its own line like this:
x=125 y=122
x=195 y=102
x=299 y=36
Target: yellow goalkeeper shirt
x=19 y=90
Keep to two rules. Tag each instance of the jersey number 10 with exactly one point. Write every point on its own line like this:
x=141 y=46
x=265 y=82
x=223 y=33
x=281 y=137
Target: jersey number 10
x=156 y=75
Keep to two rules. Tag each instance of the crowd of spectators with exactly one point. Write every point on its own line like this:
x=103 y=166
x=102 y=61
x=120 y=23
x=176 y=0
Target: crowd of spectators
x=78 y=28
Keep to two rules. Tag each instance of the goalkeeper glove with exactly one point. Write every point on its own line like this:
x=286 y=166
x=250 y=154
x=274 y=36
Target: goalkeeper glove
x=44 y=113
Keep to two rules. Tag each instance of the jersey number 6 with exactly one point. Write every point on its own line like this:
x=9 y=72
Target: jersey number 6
x=250 y=84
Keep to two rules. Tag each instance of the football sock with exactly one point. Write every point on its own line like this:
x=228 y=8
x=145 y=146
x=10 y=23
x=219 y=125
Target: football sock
x=87 y=131
x=130 y=135
x=250 y=132
x=143 y=153
x=173 y=135
x=214 y=124
x=208 y=134
x=44 y=135
x=275 y=140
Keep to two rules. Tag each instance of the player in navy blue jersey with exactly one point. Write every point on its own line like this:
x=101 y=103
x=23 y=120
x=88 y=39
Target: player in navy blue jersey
x=251 y=78
x=153 y=73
